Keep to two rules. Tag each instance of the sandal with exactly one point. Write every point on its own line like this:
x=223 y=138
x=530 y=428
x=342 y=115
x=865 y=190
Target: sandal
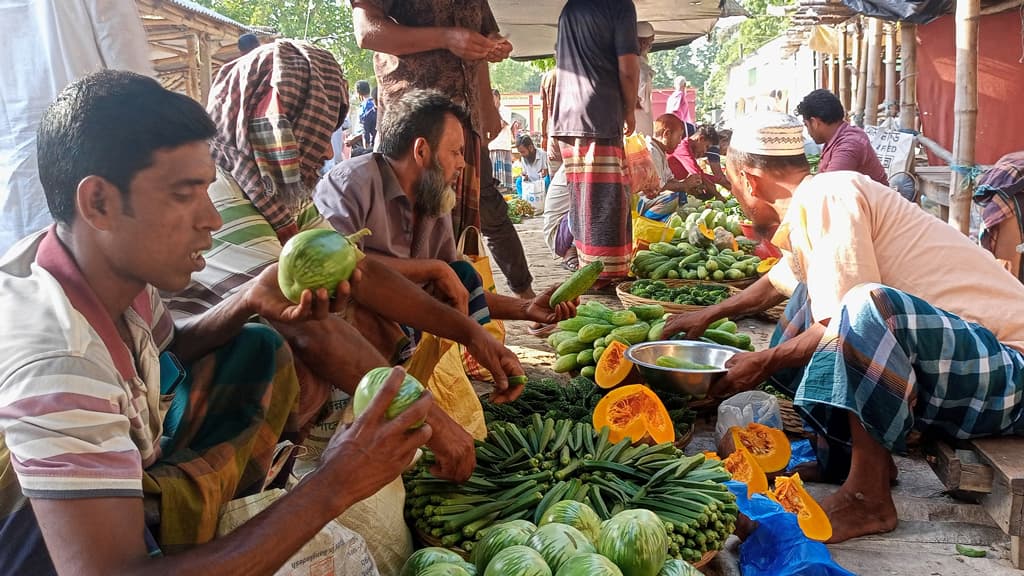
x=542 y=330
x=571 y=263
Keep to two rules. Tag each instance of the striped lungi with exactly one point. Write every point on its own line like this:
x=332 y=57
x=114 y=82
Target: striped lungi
x=501 y=164
x=467 y=190
x=599 y=213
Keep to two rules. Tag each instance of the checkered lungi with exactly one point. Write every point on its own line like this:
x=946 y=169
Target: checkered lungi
x=899 y=364
x=501 y=164
x=599 y=211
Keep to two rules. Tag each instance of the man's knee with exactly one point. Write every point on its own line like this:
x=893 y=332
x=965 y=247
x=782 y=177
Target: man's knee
x=261 y=341
x=869 y=302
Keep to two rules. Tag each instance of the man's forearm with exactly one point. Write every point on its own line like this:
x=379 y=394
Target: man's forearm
x=506 y=307
x=760 y=295
x=629 y=80
x=416 y=270
x=202 y=334
x=375 y=31
x=407 y=303
x=797 y=351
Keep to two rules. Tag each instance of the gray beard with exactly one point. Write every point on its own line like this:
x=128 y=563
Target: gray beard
x=434 y=195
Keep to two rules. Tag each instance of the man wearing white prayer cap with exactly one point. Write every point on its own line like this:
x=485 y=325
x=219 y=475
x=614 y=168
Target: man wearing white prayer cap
x=878 y=338
x=644 y=115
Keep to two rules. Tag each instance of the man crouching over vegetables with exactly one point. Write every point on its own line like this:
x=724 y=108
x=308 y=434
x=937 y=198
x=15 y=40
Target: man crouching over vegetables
x=405 y=193
x=896 y=321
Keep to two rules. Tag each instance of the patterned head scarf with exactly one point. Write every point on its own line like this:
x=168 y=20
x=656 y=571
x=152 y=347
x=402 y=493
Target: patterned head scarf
x=276 y=109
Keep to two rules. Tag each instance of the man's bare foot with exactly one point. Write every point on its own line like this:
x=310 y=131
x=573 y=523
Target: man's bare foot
x=854 y=514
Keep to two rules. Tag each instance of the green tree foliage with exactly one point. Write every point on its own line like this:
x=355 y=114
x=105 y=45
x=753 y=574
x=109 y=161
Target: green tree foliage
x=511 y=76
x=737 y=43
x=691 y=62
x=325 y=23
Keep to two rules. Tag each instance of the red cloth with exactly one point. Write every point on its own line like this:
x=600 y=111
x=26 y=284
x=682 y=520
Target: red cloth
x=682 y=162
x=850 y=149
x=1000 y=84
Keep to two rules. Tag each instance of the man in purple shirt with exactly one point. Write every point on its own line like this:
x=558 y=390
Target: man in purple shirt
x=847 y=147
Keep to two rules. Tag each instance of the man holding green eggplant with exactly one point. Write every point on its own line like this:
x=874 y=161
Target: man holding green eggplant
x=878 y=339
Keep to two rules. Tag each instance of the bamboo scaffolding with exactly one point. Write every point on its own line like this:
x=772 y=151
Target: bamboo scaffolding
x=908 y=92
x=965 y=113
x=874 y=71
x=862 y=74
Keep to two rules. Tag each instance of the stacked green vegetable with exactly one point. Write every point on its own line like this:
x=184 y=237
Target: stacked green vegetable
x=519 y=209
x=522 y=472
x=576 y=401
x=689 y=295
x=687 y=261
x=582 y=340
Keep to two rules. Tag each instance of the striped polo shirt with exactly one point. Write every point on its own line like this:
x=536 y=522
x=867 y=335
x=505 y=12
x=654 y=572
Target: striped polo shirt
x=80 y=413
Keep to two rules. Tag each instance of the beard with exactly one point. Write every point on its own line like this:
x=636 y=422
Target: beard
x=531 y=158
x=434 y=195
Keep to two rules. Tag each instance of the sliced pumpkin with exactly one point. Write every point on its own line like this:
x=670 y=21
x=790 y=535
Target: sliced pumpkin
x=705 y=231
x=790 y=493
x=769 y=446
x=709 y=455
x=613 y=367
x=744 y=468
x=635 y=412
x=766 y=265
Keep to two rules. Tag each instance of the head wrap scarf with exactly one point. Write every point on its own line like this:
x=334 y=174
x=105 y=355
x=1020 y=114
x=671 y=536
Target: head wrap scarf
x=276 y=109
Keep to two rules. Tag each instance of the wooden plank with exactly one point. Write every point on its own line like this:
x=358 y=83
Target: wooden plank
x=1005 y=507
x=959 y=469
x=1016 y=552
x=1006 y=455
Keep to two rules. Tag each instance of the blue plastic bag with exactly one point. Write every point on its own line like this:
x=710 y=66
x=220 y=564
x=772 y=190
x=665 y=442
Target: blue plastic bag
x=778 y=547
x=801 y=452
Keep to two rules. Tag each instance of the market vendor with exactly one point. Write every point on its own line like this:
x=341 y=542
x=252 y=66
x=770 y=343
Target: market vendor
x=122 y=436
x=661 y=205
x=264 y=199
x=404 y=192
x=846 y=147
x=695 y=144
x=896 y=321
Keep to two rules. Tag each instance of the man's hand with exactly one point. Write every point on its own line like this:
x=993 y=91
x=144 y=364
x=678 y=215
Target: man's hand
x=373 y=451
x=453 y=448
x=469 y=45
x=693 y=324
x=447 y=287
x=539 y=309
x=693 y=184
x=502 y=48
x=746 y=371
x=630 y=122
x=501 y=363
x=263 y=297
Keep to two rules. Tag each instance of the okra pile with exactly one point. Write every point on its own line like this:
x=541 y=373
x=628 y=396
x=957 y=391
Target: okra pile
x=523 y=471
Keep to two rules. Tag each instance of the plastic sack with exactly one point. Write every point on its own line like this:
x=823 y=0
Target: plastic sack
x=778 y=547
x=643 y=174
x=480 y=257
x=747 y=407
x=533 y=192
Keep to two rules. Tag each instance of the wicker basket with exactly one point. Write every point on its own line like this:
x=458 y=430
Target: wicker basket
x=775 y=313
x=428 y=540
x=627 y=299
x=707 y=557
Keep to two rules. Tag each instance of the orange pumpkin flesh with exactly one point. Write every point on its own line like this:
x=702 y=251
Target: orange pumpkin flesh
x=769 y=446
x=613 y=367
x=790 y=493
x=744 y=468
x=634 y=412
x=709 y=455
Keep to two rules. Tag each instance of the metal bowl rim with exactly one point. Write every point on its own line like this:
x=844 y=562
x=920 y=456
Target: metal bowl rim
x=684 y=344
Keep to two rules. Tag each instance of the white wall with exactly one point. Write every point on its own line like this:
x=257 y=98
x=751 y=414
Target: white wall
x=752 y=80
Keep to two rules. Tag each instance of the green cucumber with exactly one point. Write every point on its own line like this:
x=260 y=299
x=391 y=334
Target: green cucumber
x=648 y=312
x=577 y=284
x=588 y=372
x=578 y=323
x=565 y=363
x=623 y=318
x=722 y=337
x=728 y=326
x=571 y=346
x=592 y=332
x=585 y=357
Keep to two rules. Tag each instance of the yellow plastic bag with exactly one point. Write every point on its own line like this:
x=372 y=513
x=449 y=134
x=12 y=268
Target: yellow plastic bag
x=437 y=363
x=643 y=174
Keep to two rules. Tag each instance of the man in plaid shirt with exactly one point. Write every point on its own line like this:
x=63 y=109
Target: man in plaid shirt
x=879 y=338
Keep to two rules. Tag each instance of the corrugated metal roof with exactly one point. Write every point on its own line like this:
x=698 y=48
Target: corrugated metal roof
x=200 y=9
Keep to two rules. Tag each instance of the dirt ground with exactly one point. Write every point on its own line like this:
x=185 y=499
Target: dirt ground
x=931 y=523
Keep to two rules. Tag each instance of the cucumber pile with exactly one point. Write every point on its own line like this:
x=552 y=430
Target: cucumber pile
x=691 y=262
x=522 y=472
x=692 y=295
x=582 y=340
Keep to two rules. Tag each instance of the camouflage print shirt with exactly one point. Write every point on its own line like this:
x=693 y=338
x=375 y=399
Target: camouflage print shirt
x=436 y=69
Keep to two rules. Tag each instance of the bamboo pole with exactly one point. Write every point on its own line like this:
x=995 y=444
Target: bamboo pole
x=844 y=76
x=192 y=69
x=874 y=69
x=862 y=75
x=908 y=92
x=830 y=76
x=965 y=112
x=890 y=69
x=205 y=69
x=837 y=71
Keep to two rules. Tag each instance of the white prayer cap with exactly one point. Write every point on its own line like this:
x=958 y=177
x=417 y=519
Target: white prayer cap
x=768 y=134
x=644 y=30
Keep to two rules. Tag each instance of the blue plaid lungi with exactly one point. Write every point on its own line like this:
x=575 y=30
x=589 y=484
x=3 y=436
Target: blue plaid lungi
x=900 y=364
x=477 y=307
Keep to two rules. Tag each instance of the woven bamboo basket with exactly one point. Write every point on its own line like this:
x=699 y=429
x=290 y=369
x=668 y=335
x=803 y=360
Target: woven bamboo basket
x=791 y=421
x=707 y=557
x=627 y=299
x=428 y=540
x=775 y=313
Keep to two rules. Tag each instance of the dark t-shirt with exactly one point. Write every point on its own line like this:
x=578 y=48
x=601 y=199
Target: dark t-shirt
x=592 y=34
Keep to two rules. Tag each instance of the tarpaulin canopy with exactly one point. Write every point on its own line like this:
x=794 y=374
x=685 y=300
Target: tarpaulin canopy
x=917 y=12
x=532 y=25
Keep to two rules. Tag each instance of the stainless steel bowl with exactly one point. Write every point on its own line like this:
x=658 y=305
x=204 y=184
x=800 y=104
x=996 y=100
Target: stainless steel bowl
x=678 y=380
